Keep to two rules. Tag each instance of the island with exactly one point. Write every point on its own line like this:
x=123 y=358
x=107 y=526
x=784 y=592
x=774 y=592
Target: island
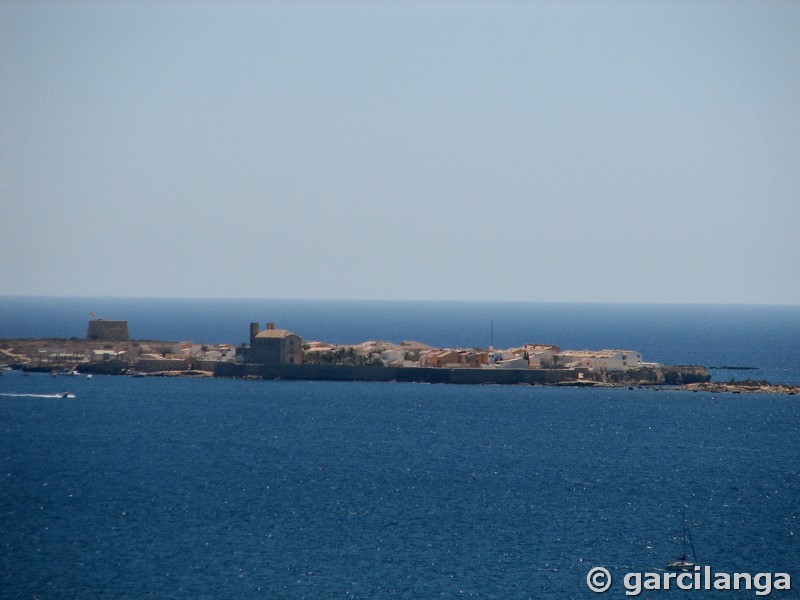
x=275 y=353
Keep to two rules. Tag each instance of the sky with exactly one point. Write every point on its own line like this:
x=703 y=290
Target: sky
x=604 y=151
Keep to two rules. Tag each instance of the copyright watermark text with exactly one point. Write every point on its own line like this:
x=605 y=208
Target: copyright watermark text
x=599 y=580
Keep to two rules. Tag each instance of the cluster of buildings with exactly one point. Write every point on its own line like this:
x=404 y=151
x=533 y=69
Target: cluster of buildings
x=139 y=356
x=534 y=356
x=109 y=344
x=280 y=346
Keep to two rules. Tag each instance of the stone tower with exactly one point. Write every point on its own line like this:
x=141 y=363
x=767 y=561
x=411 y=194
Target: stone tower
x=103 y=329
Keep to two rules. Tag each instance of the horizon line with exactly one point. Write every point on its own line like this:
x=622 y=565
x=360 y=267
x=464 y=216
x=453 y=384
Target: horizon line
x=395 y=300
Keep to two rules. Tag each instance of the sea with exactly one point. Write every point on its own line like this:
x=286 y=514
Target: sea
x=224 y=488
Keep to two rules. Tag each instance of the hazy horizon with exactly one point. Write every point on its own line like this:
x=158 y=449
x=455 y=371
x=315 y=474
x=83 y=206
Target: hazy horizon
x=577 y=152
x=389 y=300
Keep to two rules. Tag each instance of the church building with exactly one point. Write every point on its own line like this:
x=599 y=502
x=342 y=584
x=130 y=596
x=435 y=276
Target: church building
x=274 y=346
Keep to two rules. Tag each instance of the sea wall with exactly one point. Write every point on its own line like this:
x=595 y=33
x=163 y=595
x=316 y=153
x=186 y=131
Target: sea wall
x=408 y=374
x=106 y=367
x=146 y=365
x=650 y=376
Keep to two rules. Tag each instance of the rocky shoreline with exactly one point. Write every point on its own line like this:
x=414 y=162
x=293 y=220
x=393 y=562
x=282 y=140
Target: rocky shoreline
x=738 y=387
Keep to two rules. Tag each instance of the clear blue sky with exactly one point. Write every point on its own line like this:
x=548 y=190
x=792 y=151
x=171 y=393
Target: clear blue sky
x=544 y=151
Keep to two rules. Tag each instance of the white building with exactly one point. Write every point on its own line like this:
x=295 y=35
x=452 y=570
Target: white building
x=540 y=355
x=601 y=360
x=394 y=358
x=517 y=362
x=506 y=359
x=104 y=355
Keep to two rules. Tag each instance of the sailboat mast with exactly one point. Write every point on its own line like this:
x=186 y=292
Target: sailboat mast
x=684 y=535
x=683 y=564
x=691 y=542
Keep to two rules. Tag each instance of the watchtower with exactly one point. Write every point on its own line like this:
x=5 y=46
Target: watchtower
x=104 y=329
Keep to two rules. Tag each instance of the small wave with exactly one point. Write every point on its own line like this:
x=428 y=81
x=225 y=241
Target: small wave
x=62 y=395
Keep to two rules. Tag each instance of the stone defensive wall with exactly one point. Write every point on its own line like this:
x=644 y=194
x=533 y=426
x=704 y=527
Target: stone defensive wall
x=405 y=374
x=661 y=375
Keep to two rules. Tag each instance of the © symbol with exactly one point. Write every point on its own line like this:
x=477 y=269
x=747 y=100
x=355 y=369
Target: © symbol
x=598 y=579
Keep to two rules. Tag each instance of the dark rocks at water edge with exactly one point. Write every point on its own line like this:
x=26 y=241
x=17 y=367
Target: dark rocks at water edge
x=659 y=375
x=748 y=386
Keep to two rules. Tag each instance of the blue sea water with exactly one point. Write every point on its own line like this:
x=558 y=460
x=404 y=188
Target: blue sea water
x=176 y=488
x=184 y=488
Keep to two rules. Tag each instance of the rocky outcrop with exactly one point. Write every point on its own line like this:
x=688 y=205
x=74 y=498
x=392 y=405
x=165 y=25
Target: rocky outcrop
x=748 y=386
x=660 y=375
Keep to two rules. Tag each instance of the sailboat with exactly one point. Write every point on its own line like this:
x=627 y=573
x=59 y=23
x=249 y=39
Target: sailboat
x=683 y=563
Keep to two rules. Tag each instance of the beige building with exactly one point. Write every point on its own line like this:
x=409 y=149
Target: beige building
x=540 y=356
x=439 y=358
x=274 y=346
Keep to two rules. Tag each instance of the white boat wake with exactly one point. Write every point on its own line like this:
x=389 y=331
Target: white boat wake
x=60 y=395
